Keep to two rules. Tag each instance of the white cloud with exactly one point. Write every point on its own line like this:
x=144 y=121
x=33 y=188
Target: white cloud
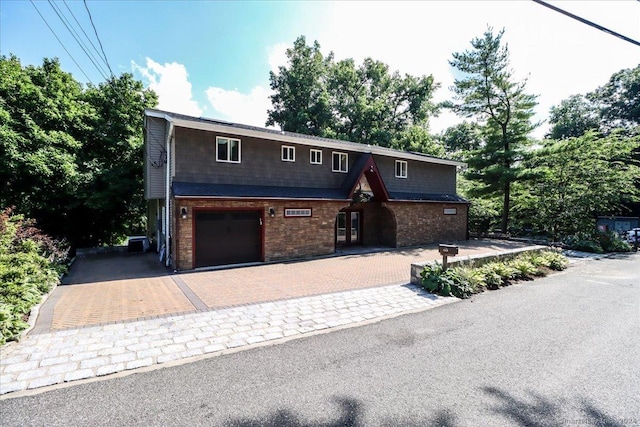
x=231 y=105
x=171 y=82
x=278 y=55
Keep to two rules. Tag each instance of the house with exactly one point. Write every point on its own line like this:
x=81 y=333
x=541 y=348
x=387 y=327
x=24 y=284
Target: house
x=619 y=224
x=222 y=193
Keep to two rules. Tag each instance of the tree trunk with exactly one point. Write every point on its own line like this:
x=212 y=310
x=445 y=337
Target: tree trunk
x=505 y=207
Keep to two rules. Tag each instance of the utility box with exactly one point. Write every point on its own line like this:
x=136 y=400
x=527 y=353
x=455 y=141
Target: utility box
x=450 y=250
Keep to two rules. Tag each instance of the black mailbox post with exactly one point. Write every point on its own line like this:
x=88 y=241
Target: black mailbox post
x=447 y=251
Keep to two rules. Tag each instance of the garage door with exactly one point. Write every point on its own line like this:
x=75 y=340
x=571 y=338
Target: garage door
x=227 y=237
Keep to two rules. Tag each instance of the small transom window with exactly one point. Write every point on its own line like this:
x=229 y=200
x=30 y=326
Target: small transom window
x=288 y=153
x=316 y=157
x=227 y=150
x=401 y=169
x=340 y=162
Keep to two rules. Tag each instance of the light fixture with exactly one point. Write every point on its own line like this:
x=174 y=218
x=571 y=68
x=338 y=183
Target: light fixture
x=272 y=212
x=183 y=212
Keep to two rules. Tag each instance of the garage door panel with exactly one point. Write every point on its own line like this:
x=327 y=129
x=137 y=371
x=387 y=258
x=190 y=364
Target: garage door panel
x=227 y=238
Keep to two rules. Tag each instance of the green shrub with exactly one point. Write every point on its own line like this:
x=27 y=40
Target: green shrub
x=464 y=281
x=597 y=242
x=30 y=263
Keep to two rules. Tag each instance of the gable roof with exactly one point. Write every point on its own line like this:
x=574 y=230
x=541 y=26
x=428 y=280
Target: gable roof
x=201 y=123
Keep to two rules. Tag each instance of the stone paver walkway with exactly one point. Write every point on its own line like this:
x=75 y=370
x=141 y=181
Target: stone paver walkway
x=41 y=360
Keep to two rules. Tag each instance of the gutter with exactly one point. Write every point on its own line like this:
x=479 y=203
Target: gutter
x=167 y=214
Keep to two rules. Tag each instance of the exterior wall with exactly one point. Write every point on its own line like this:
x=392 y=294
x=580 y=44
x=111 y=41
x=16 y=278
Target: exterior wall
x=422 y=223
x=260 y=161
x=154 y=161
x=378 y=224
x=284 y=238
x=421 y=177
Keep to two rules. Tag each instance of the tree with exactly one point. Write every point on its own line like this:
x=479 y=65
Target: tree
x=462 y=139
x=300 y=100
x=619 y=100
x=489 y=93
x=362 y=103
x=71 y=157
x=573 y=117
x=577 y=179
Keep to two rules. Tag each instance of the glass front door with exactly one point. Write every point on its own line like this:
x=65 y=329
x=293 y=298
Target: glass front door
x=348 y=228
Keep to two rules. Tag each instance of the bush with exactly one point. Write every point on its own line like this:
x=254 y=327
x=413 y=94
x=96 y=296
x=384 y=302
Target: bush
x=464 y=281
x=598 y=242
x=30 y=263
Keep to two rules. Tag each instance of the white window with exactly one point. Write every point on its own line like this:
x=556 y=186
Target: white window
x=227 y=150
x=288 y=153
x=316 y=157
x=401 y=169
x=297 y=213
x=340 y=162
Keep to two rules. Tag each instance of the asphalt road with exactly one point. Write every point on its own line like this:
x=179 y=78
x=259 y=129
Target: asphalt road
x=562 y=350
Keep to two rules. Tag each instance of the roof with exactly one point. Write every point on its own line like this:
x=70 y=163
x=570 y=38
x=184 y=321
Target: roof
x=206 y=124
x=233 y=191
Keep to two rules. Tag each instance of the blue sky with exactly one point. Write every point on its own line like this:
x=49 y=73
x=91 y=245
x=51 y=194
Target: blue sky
x=212 y=58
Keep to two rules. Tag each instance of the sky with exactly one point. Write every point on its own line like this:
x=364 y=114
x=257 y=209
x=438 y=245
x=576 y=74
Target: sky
x=213 y=58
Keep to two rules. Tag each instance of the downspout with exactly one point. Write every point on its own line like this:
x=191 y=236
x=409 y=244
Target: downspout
x=167 y=214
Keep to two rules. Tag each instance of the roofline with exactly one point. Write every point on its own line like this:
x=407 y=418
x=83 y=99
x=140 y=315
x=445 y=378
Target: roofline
x=290 y=137
x=262 y=198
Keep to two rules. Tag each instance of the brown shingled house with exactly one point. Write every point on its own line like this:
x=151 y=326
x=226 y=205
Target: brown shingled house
x=223 y=193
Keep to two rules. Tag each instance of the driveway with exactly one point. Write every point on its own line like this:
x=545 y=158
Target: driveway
x=126 y=287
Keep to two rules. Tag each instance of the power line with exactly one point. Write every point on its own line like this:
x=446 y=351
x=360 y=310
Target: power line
x=586 y=21
x=85 y=33
x=98 y=37
x=75 y=35
x=59 y=41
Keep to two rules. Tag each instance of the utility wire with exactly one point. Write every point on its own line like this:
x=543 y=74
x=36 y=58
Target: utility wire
x=75 y=35
x=586 y=21
x=95 y=49
x=59 y=41
x=98 y=37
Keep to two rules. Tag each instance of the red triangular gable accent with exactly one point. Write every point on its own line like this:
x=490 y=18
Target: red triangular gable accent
x=370 y=171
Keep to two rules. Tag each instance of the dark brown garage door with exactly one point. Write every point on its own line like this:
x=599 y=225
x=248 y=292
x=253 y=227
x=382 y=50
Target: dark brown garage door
x=227 y=238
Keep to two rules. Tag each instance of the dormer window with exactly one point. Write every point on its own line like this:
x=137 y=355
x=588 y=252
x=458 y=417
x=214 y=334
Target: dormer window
x=288 y=153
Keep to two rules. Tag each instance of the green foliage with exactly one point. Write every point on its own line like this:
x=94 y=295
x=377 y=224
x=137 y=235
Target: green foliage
x=574 y=180
x=489 y=93
x=464 y=281
x=30 y=263
x=597 y=242
x=365 y=103
x=71 y=157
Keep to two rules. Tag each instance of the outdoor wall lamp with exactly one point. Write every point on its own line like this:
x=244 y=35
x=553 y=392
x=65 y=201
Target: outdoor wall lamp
x=183 y=212
x=272 y=212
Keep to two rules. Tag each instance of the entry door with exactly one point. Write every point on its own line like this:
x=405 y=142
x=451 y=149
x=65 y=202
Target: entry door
x=227 y=237
x=348 y=228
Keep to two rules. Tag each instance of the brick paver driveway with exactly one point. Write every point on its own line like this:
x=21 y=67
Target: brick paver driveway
x=116 y=288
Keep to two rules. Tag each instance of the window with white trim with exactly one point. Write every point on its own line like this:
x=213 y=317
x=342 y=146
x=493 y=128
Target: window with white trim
x=288 y=153
x=401 y=169
x=315 y=157
x=340 y=162
x=227 y=150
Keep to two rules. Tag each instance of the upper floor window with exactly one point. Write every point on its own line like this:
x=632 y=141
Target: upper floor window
x=316 y=157
x=227 y=150
x=288 y=153
x=340 y=162
x=401 y=169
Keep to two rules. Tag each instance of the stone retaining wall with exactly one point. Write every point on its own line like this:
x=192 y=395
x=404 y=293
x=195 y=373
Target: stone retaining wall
x=476 y=260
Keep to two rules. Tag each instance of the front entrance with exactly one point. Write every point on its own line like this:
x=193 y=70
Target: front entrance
x=349 y=228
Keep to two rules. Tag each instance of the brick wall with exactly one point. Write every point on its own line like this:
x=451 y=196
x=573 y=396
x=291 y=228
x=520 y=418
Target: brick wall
x=284 y=238
x=422 y=223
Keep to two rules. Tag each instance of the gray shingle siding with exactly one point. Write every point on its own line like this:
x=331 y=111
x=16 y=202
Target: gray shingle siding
x=155 y=172
x=260 y=163
x=421 y=177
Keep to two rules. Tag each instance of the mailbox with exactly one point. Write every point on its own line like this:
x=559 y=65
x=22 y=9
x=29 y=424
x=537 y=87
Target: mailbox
x=449 y=250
